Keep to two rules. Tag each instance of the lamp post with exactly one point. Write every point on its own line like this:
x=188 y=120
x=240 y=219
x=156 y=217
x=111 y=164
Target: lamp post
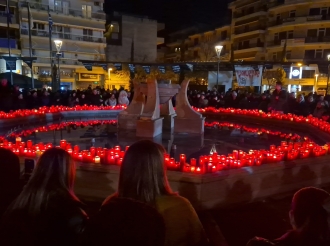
x=109 y=77
x=58 y=46
x=218 y=50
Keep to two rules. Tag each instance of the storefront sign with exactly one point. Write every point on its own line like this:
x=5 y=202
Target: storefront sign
x=295 y=73
x=301 y=81
x=87 y=76
x=322 y=81
x=248 y=75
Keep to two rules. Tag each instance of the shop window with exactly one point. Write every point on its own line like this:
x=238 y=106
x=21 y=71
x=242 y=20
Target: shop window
x=308 y=74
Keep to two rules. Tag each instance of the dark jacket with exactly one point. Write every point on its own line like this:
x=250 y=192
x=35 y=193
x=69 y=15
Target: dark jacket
x=60 y=224
x=278 y=100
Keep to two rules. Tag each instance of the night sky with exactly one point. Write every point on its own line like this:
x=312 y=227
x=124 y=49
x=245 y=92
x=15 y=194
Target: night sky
x=176 y=14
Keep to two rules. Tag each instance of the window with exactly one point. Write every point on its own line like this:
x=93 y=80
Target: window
x=114 y=30
x=96 y=3
x=276 y=38
x=309 y=54
x=318 y=54
x=223 y=35
x=88 y=34
x=38 y=26
x=288 y=54
x=314 y=11
x=58 y=6
x=66 y=8
x=312 y=33
x=51 y=5
x=290 y=34
x=321 y=32
x=196 y=54
x=292 y=14
x=274 y=56
x=308 y=74
x=86 y=11
x=196 y=41
x=324 y=11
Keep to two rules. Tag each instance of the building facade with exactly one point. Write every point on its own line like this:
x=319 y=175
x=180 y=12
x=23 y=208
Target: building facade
x=263 y=30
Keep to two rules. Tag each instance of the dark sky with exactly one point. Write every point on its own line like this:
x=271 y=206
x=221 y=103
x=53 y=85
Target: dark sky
x=175 y=13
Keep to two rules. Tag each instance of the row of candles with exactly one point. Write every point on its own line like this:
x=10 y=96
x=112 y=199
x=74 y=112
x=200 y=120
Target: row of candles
x=319 y=123
x=59 y=126
x=287 y=151
x=215 y=124
x=55 y=109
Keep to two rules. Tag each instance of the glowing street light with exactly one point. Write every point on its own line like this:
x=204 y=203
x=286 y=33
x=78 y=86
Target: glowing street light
x=58 y=45
x=218 y=50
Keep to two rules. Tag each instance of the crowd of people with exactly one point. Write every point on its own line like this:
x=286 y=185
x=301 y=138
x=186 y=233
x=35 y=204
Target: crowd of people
x=279 y=100
x=42 y=209
x=12 y=98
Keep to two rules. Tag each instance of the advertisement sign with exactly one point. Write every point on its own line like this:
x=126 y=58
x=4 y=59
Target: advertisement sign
x=88 y=76
x=248 y=75
x=295 y=73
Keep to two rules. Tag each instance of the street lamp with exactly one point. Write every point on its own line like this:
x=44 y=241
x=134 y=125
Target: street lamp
x=58 y=46
x=109 y=74
x=218 y=50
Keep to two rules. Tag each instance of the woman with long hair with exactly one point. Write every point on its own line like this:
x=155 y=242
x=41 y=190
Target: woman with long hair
x=47 y=212
x=309 y=216
x=143 y=178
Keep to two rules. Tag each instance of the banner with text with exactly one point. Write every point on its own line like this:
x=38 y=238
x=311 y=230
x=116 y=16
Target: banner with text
x=248 y=75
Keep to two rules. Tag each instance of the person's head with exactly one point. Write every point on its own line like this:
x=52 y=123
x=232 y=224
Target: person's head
x=202 y=96
x=142 y=174
x=34 y=94
x=198 y=95
x=83 y=96
x=128 y=94
x=9 y=170
x=123 y=94
x=263 y=96
x=95 y=92
x=130 y=222
x=278 y=86
x=309 y=213
x=301 y=98
x=310 y=99
x=292 y=95
x=112 y=96
x=4 y=82
x=321 y=98
x=53 y=176
x=234 y=94
x=74 y=94
x=20 y=96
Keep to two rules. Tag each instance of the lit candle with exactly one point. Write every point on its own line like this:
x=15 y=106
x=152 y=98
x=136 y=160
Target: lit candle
x=97 y=160
x=63 y=144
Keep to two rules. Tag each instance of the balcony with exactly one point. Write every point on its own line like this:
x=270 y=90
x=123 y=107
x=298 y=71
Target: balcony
x=247 y=29
x=325 y=39
x=298 y=20
x=249 y=48
x=13 y=46
x=290 y=42
x=66 y=36
x=250 y=12
x=63 y=62
x=98 y=15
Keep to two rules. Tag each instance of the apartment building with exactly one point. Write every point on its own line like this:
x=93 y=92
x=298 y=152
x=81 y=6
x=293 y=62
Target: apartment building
x=304 y=27
x=79 y=24
x=262 y=30
x=248 y=29
x=14 y=30
x=200 y=46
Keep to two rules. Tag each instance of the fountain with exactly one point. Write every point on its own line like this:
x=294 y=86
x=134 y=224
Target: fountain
x=150 y=118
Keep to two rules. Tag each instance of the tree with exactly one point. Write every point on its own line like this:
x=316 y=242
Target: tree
x=207 y=51
x=273 y=76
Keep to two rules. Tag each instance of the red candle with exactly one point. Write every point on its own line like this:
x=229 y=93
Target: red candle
x=63 y=144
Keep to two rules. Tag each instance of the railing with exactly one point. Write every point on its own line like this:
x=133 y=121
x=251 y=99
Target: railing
x=66 y=11
x=68 y=36
x=299 y=19
x=317 y=39
x=63 y=61
x=250 y=12
x=248 y=29
x=250 y=46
